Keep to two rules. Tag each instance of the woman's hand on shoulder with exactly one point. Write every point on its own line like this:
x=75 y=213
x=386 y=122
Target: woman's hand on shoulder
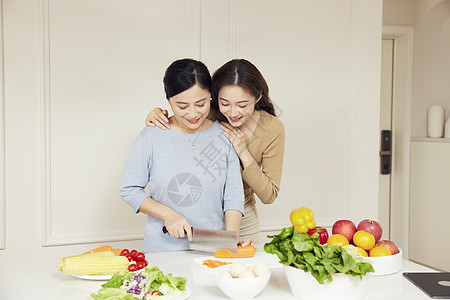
x=158 y=117
x=235 y=135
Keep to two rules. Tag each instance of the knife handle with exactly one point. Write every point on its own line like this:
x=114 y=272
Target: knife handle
x=164 y=230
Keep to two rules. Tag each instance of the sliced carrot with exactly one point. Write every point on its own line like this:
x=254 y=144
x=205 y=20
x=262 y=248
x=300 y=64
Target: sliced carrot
x=214 y=263
x=100 y=249
x=116 y=251
x=242 y=252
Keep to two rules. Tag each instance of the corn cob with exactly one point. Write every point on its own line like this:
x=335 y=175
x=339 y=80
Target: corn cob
x=92 y=265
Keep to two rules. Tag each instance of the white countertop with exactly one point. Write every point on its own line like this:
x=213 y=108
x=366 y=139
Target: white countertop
x=43 y=281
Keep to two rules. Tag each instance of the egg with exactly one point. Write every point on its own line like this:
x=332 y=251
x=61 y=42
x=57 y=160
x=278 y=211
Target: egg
x=260 y=269
x=247 y=274
x=225 y=274
x=236 y=269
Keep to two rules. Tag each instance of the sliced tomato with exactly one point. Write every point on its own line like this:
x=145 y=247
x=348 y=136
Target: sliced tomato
x=155 y=293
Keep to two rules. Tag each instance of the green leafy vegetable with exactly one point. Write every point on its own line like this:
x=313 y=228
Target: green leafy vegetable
x=130 y=286
x=304 y=252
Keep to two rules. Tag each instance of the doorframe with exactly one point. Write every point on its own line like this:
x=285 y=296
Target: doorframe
x=401 y=132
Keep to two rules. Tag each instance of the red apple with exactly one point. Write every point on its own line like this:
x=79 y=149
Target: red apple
x=391 y=246
x=345 y=227
x=371 y=226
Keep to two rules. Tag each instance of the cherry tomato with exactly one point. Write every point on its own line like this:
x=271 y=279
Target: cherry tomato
x=139 y=256
x=130 y=258
x=124 y=252
x=132 y=268
x=146 y=263
x=133 y=253
x=155 y=293
x=140 y=265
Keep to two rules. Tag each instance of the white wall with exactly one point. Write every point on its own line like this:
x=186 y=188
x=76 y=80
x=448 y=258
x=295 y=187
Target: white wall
x=398 y=12
x=80 y=76
x=431 y=21
x=431 y=60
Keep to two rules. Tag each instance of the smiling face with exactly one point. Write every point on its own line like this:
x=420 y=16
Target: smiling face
x=190 y=108
x=236 y=104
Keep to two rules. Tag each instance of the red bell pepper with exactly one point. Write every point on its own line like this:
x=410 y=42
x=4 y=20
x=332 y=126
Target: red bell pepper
x=322 y=232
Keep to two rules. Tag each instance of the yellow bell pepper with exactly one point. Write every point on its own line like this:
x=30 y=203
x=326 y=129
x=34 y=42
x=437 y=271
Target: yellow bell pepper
x=302 y=219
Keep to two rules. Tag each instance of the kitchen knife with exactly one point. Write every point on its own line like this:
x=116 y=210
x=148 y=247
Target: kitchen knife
x=210 y=240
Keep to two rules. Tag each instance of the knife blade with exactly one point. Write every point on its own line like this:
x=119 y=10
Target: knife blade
x=210 y=240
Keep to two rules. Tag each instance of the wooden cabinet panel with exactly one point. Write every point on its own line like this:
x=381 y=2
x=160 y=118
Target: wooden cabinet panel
x=430 y=203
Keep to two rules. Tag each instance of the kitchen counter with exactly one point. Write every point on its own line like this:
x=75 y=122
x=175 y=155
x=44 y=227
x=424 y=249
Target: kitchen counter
x=43 y=281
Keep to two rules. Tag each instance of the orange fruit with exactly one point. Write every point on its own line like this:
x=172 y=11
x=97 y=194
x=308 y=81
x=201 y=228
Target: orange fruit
x=379 y=251
x=362 y=252
x=364 y=240
x=337 y=240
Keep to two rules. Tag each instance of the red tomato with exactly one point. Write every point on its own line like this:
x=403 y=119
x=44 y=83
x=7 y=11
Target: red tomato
x=146 y=263
x=140 y=265
x=130 y=258
x=124 y=252
x=155 y=293
x=133 y=253
x=139 y=256
x=323 y=234
x=132 y=268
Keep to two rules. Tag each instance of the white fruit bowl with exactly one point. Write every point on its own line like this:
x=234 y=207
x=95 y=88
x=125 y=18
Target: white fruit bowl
x=385 y=265
x=240 y=288
x=343 y=287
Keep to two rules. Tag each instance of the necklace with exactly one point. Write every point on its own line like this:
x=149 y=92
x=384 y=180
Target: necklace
x=192 y=142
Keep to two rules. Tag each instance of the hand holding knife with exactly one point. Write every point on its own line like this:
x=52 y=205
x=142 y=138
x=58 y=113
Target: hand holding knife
x=211 y=240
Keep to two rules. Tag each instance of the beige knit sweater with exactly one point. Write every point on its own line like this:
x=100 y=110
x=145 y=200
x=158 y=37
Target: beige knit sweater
x=266 y=145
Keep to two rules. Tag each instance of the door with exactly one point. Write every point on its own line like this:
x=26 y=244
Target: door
x=386 y=105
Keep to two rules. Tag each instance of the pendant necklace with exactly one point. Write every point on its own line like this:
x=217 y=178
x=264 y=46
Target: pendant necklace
x=192 y=142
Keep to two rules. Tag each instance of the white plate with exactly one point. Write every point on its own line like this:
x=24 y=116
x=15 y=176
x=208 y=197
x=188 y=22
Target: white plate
x=271 y=260
x=185 y=295
x=93 y=277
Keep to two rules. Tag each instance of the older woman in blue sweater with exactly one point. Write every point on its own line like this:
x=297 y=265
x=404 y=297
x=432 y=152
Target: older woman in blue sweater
x=193 y=171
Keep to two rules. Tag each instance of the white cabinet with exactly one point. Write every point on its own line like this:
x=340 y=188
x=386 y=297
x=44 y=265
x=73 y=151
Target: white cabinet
x=430 y=202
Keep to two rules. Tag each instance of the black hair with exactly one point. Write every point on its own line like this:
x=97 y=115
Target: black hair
x=242 y=73
x=183 y=74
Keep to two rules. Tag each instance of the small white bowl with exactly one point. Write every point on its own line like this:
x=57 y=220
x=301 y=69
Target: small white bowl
x=240 y=288
x=385 y=265
x=343 y=287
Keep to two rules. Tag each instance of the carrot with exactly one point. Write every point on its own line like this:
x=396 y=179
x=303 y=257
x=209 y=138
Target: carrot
x=242 y=252
x=214 y=263
x=116 y=251
x=100 y=249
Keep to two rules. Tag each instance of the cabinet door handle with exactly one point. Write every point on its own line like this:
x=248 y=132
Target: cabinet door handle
x=385 y=152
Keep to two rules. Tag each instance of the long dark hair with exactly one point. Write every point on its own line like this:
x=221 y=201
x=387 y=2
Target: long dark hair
x=242 y=73
x=183 y=74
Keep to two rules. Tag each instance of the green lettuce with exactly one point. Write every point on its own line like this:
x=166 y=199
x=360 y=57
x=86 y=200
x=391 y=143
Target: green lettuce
x=304 y=252
x=167 y=285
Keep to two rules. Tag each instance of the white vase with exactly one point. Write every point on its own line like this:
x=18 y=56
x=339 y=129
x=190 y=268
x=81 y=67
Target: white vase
x=447 y=129
x=435 y=126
